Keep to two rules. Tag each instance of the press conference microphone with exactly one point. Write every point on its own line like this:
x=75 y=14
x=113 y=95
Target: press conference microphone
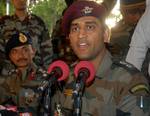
x=57 y=71
x=84 y=72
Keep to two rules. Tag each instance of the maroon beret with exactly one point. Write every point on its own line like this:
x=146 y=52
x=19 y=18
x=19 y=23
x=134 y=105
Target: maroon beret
x=79 y=9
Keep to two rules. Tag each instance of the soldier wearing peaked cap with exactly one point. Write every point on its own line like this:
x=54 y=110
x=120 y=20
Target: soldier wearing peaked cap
x=26 y=22
x=118 y=87
x=18 y=87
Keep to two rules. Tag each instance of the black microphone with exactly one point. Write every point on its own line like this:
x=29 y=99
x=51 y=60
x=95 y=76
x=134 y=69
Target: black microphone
x=57 y=71
x=84 y=72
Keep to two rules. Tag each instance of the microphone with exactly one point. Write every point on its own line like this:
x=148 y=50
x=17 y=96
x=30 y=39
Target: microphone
x=57 y=71
x=84 y=72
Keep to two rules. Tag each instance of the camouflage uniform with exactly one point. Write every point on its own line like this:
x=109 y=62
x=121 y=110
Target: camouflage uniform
x=116 y=86
x=19 y=89
x=33 y=25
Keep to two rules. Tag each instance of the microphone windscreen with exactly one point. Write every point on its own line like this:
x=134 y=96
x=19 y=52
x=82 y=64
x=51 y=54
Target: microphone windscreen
x=63 y=67
x=87 y=65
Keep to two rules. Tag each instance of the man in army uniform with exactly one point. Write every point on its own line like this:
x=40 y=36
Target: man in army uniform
x=61 y=47
x=18 y=88
x=131 y=11
x=27 y=23
x=118 y=87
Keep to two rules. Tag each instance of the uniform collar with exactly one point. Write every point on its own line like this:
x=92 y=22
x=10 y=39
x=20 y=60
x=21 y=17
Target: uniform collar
x=104 y=66
x=31 y=68
x=29 y=72
x=28 y=16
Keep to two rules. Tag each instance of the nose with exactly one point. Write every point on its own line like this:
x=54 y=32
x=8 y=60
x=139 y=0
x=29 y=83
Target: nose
x=82 y=33
x=20 y=54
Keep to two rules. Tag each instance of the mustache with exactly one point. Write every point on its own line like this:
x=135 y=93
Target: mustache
x=21 y=59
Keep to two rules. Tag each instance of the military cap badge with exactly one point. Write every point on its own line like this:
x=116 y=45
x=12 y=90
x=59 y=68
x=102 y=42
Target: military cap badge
x=79 y=9
x=87 y=10
x=22 y=38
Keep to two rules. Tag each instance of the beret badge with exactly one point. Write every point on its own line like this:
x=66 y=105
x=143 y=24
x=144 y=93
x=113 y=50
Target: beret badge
x=22 y=38
x=87 y=10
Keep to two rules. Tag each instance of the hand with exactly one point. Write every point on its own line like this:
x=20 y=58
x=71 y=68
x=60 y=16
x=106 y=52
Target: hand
x=2 y=107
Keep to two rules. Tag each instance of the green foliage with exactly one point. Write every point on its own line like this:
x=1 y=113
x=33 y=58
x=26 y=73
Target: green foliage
x=50 y=11
x=3 y=8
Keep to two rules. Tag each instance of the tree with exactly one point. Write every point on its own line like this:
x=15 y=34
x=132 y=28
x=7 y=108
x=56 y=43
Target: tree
x=3 y=7
x=49 y=10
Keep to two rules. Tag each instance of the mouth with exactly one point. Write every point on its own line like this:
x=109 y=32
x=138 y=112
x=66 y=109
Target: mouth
x=22 y=60
x=83 y=45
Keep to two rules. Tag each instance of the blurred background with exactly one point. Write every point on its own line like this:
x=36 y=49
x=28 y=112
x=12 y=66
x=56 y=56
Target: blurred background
x=51 y=10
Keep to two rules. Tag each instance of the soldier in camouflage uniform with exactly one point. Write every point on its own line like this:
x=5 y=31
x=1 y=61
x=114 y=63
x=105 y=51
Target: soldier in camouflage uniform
x=61 y=47
x=28 y=23
x=118 y=87
x=18 y=87
x=131 y=11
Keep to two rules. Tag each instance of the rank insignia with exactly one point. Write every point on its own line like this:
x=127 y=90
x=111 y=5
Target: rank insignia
x=68 y=92
x=139 y=87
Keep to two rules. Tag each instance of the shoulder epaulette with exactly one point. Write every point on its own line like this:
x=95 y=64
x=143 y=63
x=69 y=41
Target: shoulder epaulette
x=127 y=66
x=4 y=18
x=37 y=17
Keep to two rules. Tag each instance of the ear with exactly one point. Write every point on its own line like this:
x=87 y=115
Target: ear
x=107 y=34
x=33 y=51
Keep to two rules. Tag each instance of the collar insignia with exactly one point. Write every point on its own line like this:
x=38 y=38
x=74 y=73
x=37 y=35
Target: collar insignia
x=87 y=10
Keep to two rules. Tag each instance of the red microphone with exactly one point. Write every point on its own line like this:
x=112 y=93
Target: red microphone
x=57 y=71
x=60 y=70
x=84 y=72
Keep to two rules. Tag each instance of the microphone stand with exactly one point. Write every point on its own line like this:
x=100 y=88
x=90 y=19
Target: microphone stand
x=47 y=101
x=77 y=96
x=47 y=96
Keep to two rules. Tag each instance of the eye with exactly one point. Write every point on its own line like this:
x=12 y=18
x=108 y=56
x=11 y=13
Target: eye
x=74 y=29
x=25 y=49
x=90 y=27
x=13 y=51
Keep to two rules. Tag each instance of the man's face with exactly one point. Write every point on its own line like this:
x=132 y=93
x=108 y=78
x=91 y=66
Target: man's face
x=87 y=37
x=132 y=16
x=22 y=56
x=20 y=4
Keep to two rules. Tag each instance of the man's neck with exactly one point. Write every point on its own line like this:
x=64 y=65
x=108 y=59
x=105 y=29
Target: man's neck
x=97 y=61
x=22 y=69
x=21 y=14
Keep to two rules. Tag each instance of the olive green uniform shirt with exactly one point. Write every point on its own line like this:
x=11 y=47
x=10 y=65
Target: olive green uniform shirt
x=115 y=91
x=20 y=89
